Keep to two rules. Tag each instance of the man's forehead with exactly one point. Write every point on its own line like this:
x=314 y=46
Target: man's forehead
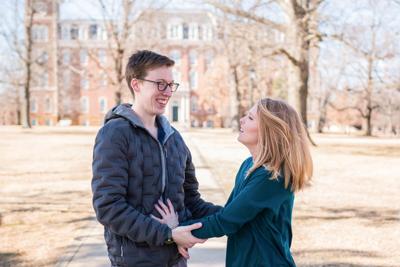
x=162 y=73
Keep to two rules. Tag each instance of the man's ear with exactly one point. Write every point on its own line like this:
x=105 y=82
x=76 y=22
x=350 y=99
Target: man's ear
x=134 y=85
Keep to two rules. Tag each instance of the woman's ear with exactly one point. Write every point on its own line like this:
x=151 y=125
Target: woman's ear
x=134 y=85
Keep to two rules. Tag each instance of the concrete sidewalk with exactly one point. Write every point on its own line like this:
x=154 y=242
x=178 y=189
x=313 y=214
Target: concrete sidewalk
x=89 y=248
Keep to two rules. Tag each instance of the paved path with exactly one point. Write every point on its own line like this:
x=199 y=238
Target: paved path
x=89 y=250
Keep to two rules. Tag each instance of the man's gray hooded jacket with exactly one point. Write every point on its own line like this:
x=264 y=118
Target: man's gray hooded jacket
x=132 y=170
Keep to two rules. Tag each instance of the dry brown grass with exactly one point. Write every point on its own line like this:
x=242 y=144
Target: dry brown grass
x=349 y=217
x=45 y=192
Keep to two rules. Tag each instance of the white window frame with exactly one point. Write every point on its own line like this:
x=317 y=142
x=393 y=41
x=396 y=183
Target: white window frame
x=176 y=56
x=193 y=79
x=34 y=105
x=48 y=107
x=104 y=109
x=193 y=58
x=85 y=104
x=40 y=33
x=83 y=57
x=67 y=79
x=84 y=82
x=207 y=32
x=193 y=31
x=66 y=56
x=102 y=55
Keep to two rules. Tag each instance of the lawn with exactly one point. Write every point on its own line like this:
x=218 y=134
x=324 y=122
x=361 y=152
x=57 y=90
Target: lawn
x=350 y=216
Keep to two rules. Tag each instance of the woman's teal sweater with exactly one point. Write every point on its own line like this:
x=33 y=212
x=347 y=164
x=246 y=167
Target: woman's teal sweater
x=257 y=220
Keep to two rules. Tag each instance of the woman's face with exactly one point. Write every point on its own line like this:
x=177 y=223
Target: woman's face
x=248 y=132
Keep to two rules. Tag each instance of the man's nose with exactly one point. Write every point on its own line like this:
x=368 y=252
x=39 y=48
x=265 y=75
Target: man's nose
x=167 y=91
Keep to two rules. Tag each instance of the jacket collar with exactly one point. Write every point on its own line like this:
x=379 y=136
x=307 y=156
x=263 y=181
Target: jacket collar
x=125 y=111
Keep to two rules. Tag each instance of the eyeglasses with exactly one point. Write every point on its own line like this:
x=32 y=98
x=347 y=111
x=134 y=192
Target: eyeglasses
x=162 y=86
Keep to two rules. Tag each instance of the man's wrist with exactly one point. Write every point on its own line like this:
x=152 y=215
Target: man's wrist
x=169 y=239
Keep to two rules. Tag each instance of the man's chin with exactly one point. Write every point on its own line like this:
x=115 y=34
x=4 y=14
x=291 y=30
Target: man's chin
x=160 y=111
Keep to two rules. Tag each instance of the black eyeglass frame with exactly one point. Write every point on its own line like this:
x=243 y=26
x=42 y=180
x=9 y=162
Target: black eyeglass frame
x=173 y=86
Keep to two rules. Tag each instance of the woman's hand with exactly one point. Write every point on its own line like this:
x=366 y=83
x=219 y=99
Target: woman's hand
x=168 y=214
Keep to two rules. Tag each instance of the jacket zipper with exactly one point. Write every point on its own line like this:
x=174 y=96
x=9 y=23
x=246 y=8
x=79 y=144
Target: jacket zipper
x=163 y=159
x=163 y=154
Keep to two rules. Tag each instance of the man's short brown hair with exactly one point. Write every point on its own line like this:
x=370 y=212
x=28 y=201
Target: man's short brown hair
x=142 y=61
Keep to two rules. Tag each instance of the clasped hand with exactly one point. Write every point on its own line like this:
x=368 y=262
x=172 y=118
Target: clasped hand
x=181 y=235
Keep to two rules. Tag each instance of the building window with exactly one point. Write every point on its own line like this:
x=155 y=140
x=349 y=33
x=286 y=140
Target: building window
x=67 y=105
x=48 y=106
x=74 y=32
x=65 y=31
x=193 y=31
x=185 y=31
x=207 y=32
x=84 y=104
x=176 y=75
x=193 y=104
x=102 y=56
x=83 y=33
x=192 y=57
x=40 y=33
x=176 y=56
x=40 y=8
x=41 y=57
x=174 y=31
x=34 y=106
x=209 y=57
x=103 y=79
x=83 y=55
x=66 y=57
x=66 y=79
x=84 y=82
x=193 y=80
x=103 y=33
x=103 y=105
x=93 y=32
x=44 y=79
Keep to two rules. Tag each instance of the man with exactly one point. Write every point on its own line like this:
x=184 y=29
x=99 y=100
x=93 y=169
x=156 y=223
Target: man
x=139 y=160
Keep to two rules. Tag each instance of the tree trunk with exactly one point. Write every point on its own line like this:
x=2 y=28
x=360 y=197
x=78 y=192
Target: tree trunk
x=240 y=108
x=369 y=123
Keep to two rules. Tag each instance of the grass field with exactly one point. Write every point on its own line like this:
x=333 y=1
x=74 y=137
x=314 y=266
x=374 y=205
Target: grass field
x=349 y=217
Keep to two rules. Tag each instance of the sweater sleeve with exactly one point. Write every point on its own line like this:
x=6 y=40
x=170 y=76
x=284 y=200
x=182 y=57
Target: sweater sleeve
x=110 y=184
x=258 y=194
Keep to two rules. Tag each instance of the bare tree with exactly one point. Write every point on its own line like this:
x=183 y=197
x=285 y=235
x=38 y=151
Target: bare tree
x=332 y=72
x=370 y=49
x=23 y=49
x=120 y=22
x=300 y=32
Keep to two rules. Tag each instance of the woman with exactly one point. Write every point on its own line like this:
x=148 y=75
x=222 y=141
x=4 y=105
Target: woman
x=258 y=214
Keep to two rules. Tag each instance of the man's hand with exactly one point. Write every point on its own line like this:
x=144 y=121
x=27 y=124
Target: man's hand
x=183 y=237
x=184 y=252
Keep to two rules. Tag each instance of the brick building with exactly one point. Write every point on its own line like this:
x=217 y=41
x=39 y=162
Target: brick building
x=74 y=85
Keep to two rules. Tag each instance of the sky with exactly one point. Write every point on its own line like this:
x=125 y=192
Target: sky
x=334 y=14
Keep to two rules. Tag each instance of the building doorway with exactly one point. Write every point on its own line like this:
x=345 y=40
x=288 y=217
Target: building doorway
x=175 y=113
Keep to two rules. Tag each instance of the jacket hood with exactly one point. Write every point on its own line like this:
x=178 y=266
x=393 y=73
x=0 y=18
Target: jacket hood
x=125 y=111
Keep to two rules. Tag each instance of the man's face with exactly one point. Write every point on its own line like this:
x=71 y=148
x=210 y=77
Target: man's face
x=152 y=100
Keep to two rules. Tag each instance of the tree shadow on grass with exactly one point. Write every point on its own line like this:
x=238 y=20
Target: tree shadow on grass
x=371 y=216
x=341 y=264
x=10 y=259
x=347 y=253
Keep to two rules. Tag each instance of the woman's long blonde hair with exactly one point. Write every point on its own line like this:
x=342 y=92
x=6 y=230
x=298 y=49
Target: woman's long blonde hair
x=283 y=146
